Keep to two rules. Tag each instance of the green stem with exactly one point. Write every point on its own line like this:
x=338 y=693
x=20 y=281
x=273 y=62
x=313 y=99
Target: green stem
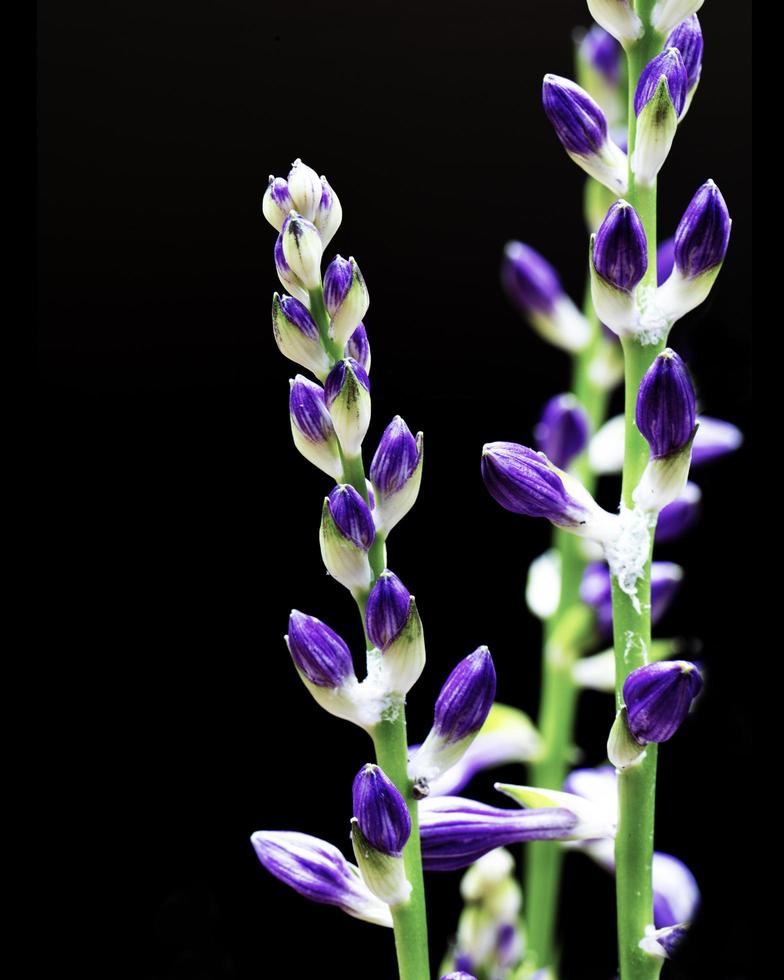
x=631 y=615
x=410 y=919
x=558 y=702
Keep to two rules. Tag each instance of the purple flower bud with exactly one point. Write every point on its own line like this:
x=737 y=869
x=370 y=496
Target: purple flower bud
x=466 y=698
x=302 y=248
x=318 y=871
x=277 y=202
x=666 y=409
x=620 y=251
x=337 y=282
x=562 y=432
x=358 y=347
x=658 y=697
x=317 y=651
x=703 y=234
x=603 y=53
x=664 y=942
x=665 y=260
x=455 y=832
x=669 y=65
x=680 y=515
x=388 y=607
x=396 y=458
x=351 y=515
x=687 y=38
x=380 y=811
x=596 y=591
x=309 y=411
x=578 y=121
x=715 y=438
x=531 y=283
x=337 y=378
x=458 y=975
x=521 y=481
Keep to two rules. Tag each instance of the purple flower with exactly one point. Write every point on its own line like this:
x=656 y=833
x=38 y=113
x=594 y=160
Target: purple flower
x=658 y=697
x=620 y=251
x=680 y=515
x=396 y=458
x=531 y=283
x=317 y=651
x=358 y=347
x=596 y=591
x=521 y=481
x=337 y=283
x=562 y=431
x=380 y=811
x=703 y=234
x=351 y=516
x=337 y=378
x=676 y=896
x=666 y=405
x=466 y=697
x=668 y=65
x=318 y=871
x=388 y=607
x=455 y=832
x=715 y=438
x=603 y=53
x=309 y=411
x=687 y=38
x=578 y=121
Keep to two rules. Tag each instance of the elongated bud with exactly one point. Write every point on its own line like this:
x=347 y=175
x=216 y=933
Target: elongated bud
x=380 y=811
x=701 y=241
x=318 y=871
x=618 y=18
x=319 y=654
x=311 y=427
x=277 y=203
x=596 y=591
x=346 y=534
x=388 y=607
x=687 y=38
x=297 y=335
x=302 y=250
x=358 y=347
x=289 y=280
x=329 y=213
x=305 y=189
x=676 y=518
x=525 y=482
x=533 y=286
x=396 y=473
x=658 y=697
x=667 y=13
x=659 y=103
x=581 y=127
x=715 y=438
x=461 y=709
x=562 y=431
x=346 y=298
x=666 y=405
x=379 y=832
x=347 y=390
x=619 y=260
x=455 y=831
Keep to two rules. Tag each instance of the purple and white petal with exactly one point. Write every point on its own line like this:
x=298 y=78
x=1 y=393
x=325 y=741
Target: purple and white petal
x=317 y=870
x=715 y=438
x=380 y=811
x=658 y=697
x=318 y=652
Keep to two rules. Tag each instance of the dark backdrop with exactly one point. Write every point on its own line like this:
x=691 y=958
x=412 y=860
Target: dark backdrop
x=179 y=525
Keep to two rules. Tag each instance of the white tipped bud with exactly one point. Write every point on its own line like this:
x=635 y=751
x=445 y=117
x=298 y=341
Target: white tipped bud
x=305 y=189
x=618 y=18
x=302 y=249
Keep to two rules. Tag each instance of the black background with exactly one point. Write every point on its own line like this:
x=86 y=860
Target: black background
x=179 y=525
